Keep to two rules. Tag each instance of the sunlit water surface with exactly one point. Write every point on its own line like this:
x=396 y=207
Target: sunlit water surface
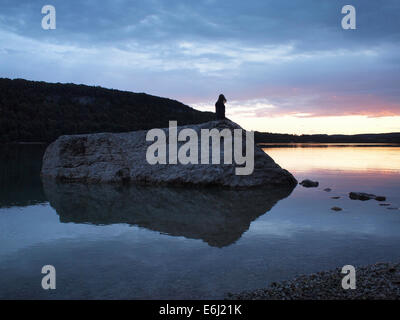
x=163 y=243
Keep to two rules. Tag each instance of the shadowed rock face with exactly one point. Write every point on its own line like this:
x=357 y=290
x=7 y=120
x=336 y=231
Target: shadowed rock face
x=121 y=158
x=217 y=216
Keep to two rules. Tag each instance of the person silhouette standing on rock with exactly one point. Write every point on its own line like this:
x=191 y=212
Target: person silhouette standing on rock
x=220 y=107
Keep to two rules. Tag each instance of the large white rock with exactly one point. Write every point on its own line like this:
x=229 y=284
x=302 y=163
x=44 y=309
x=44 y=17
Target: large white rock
x=121 y=158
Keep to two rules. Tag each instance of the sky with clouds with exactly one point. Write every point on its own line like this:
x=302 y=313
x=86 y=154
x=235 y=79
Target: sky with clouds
x=284 y=65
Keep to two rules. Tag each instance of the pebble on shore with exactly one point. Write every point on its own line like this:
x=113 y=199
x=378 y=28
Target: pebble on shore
x=380 y=281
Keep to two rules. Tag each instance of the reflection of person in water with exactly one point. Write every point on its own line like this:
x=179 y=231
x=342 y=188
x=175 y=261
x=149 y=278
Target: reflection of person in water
x=220 y=107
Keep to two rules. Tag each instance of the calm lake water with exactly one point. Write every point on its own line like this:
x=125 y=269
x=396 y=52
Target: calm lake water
x=164 y=243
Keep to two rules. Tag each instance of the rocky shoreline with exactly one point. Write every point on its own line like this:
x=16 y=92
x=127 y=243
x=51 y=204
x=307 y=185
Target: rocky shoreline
x=380 y=281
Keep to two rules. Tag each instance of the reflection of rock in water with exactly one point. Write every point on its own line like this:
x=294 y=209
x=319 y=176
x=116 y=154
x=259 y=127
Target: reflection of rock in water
x=217 y=216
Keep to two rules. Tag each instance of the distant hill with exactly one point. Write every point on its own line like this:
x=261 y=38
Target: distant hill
x=33 y=111
x=264 y=137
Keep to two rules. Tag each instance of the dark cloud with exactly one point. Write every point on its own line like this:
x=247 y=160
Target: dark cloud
x=311 y=24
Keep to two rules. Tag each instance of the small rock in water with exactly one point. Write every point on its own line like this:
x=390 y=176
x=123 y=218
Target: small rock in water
x=328 y=189
x=309 y=183
x=384 y=204
x=365 y=196
x=335 y=197
x=361 y=196
x=336 y=209
x=392 y=208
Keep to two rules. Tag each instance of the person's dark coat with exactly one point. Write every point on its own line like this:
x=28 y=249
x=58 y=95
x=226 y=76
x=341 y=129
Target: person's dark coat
x=220 y=107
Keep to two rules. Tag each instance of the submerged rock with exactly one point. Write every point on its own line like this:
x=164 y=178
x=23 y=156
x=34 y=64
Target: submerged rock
x=365 y=196
x=335 y=197
x=121 y=158
x=336 y=209
x=327 y=189
x=309 y=183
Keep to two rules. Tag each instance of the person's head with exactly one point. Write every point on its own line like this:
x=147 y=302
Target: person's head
x=222 y=98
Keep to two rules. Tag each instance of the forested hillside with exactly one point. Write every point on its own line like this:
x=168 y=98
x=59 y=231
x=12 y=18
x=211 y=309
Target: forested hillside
x=39 y=111
x=33 y=111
